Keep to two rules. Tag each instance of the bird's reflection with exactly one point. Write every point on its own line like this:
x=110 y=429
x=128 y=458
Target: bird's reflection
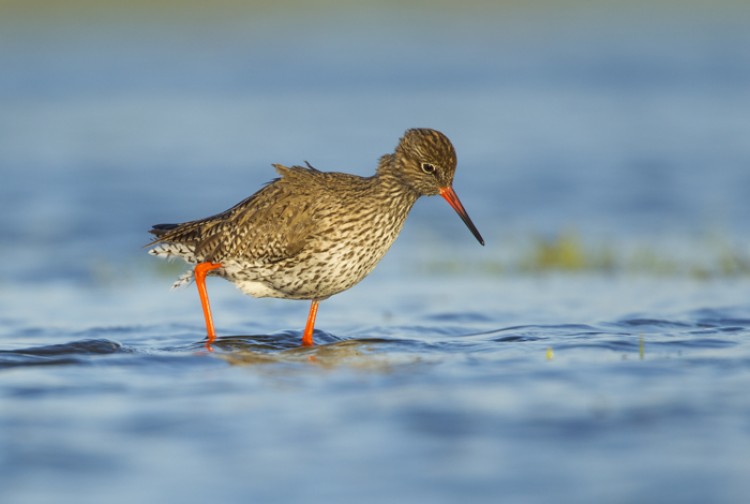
x=251 y=350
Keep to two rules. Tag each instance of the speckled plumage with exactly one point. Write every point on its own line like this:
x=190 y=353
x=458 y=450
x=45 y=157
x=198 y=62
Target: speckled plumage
x=311 y=234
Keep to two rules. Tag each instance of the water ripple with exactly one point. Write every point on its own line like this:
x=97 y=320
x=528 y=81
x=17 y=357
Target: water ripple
x=697 y=330
x=73 y=352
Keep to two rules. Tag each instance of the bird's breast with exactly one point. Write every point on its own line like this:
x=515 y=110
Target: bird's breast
x=341 y=252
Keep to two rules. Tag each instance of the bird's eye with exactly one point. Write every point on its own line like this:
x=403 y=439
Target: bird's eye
x=428 y=167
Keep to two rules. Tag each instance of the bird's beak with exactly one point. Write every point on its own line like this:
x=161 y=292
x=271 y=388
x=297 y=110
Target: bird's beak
x=450 y=196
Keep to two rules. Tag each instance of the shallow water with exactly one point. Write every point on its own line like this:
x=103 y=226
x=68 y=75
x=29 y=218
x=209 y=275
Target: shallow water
x=565 y=388
x=448 y=373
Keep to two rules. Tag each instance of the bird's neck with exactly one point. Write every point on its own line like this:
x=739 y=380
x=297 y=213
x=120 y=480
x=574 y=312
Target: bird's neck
x=392 y=183
x=400 y=197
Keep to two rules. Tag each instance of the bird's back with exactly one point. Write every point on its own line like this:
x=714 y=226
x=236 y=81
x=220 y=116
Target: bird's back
x=271 y=224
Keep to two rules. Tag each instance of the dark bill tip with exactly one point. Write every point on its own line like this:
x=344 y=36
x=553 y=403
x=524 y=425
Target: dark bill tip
x=452 y=198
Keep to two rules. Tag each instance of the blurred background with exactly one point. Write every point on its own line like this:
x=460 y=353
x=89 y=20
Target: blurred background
x=590 y=134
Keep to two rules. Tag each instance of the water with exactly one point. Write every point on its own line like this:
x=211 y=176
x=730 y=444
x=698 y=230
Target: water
x=451 y=372
x=433 y=402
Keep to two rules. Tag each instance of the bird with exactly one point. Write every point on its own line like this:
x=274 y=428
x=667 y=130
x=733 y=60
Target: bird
x=310 y=234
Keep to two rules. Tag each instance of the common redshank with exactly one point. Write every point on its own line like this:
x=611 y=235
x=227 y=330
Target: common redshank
x=311 y=234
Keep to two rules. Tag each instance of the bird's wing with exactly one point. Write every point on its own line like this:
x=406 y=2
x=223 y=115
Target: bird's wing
x=271 y=225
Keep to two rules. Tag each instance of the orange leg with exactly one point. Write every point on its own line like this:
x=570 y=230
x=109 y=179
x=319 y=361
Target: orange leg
x=201 y=270
x=307 y=336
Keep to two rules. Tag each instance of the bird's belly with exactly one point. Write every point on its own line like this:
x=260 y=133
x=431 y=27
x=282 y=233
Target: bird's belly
x=258 y=289
x=313 y=274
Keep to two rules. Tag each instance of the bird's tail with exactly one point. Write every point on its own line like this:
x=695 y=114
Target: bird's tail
x=166 y=248
x=160 y=230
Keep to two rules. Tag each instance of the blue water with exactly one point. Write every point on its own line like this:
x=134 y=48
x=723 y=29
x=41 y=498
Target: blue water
x=445 y=375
